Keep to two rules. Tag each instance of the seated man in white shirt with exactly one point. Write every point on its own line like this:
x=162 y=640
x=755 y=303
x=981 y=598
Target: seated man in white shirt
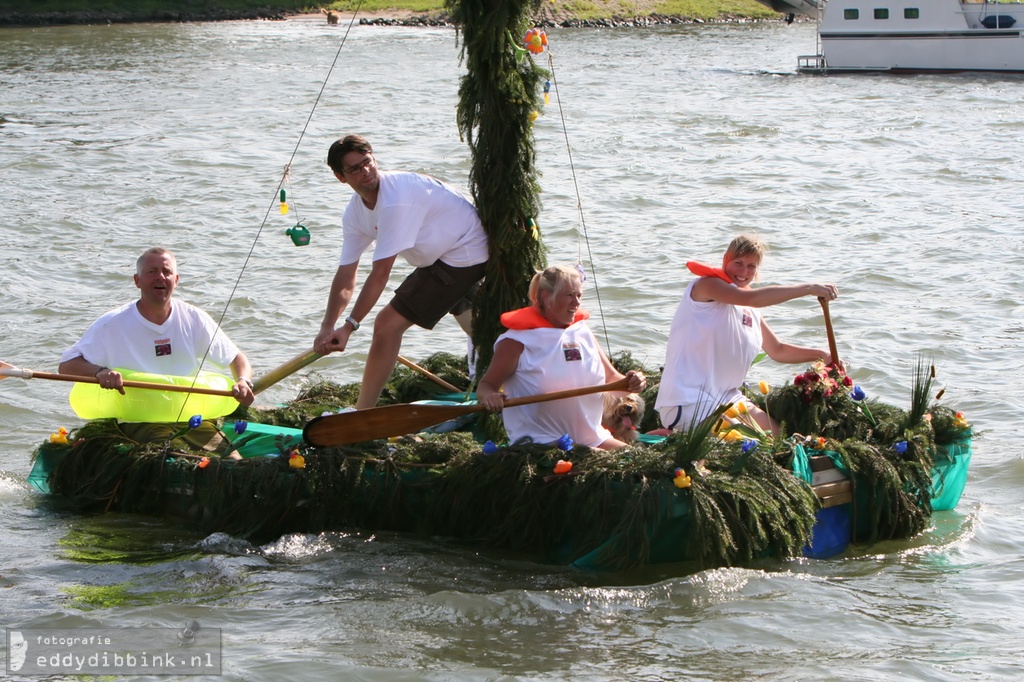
x=160 y=335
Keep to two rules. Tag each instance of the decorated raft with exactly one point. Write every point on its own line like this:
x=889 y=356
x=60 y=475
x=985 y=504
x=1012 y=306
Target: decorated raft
x=845 y=471
x=849 y=470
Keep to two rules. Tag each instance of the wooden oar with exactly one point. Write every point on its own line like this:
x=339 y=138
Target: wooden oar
x=310 y=356
x=433 y=377
x=8 y=370
x=828 y=329
x=267 y=380
x=396 y=420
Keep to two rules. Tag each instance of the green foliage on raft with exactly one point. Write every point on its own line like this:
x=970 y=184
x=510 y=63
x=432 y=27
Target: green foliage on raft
x=498 y=93
x=616 y=509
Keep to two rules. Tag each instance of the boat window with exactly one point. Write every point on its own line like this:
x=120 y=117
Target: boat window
x=849 y=14
x=881 y=13
x=911 y=13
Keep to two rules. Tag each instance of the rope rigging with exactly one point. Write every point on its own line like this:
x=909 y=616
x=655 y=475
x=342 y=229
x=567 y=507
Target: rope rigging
x=582 y=236
x=279 y=197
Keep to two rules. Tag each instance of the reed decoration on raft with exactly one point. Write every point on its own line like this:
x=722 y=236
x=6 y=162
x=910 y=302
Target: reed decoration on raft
x=729 y=502
x=497 y=95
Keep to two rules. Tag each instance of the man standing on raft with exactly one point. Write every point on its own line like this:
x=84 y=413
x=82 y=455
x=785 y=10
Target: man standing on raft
x=433 y=227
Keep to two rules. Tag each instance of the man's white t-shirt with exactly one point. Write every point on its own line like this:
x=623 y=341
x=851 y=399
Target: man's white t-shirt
x=418 y=218
x=124 y=338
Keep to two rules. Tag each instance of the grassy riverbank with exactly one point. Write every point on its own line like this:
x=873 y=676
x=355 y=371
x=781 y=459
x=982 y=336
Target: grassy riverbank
x=557 y=11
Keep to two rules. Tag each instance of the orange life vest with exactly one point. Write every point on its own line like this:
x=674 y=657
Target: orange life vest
x=702 y=270
x=530 y=317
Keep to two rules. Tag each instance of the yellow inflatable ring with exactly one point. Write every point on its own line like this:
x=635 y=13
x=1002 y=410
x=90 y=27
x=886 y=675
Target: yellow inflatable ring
x=90 y=401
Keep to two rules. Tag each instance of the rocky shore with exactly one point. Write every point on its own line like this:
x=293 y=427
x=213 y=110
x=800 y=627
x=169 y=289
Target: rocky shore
x=613 y=22
x=545 y=18
x=95 y=17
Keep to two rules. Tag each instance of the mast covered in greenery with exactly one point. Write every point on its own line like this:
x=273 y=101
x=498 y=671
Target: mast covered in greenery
x=498 y=98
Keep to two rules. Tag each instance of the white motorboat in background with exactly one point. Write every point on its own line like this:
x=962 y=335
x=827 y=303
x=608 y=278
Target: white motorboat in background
x=911 y=35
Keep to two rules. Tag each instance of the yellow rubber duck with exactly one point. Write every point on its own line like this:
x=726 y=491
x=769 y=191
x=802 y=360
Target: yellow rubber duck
x=681 y=479
x=60 y=437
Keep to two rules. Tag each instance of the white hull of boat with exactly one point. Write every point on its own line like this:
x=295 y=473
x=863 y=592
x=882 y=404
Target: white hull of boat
x=917 y=36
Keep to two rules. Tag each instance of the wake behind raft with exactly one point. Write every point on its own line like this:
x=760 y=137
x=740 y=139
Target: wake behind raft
x=869 y=472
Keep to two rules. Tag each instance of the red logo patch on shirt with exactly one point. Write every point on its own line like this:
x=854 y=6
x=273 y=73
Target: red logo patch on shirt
x=572 y=352
x=163 y=349
x=748 y=321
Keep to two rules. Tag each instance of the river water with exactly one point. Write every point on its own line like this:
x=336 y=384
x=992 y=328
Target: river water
x=659 y=145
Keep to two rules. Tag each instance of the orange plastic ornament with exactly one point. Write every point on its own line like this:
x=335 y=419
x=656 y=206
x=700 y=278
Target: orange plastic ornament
x=535 y=40
x=563 y=467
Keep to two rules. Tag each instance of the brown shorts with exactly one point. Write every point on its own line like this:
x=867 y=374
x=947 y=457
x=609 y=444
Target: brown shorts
x=206 y=437
x=430 y=293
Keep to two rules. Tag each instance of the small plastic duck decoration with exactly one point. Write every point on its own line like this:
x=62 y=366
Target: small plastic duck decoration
x=490 y=448
x=195 y=421
x=284 y=203
x=60 y=437
x=547 y=93
x=535 y=40
x=296 y=461
x=204 y=462
x=681 y=480
x=564 y=443
x=819 y=443
x=901 y=447
x=240 y=426
x=563 y=467
x=961 y=421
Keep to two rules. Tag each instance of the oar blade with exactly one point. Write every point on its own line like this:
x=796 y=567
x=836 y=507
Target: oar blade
x=379 y=422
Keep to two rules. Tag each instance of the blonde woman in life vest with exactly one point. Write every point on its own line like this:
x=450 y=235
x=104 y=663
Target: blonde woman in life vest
x=549 y=347
x=717 y=332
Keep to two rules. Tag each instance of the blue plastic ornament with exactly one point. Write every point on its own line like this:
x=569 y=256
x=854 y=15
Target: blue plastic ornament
x=564 y=443
x=490 y=448
x=195 y=421
x=241 y=426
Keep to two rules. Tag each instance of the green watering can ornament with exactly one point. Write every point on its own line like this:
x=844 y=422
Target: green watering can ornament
x=299 y=235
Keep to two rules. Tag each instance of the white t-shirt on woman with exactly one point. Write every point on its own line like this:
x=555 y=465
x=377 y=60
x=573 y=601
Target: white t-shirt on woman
x=556 y=359
x=710 y=348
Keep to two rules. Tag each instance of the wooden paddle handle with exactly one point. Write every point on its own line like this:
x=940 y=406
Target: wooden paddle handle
x=29 y=374
x=310 y=356
x=828 y=330
x=294 y=365
x=433 y=377
x=620 y=385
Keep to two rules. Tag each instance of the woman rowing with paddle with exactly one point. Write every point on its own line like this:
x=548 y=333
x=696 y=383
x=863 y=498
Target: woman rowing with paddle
x=549 y=347
x=718 y=331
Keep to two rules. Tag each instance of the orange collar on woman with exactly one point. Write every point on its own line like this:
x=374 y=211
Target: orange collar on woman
x=702 y=270
x=530 y=317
